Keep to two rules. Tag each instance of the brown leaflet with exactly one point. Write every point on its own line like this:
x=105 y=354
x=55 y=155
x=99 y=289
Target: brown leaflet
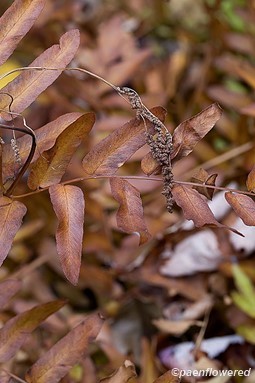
x=68 y=204
x=191 y=131
x=15 y=23
x=11 y=213
x=149 y=165
x=125 y=374
x=55 y=364
x=51 y=166
x=186 y=136
x=243 y=206
x=250 y=182
x=113 y=151
x=8 y=288
x=129 y=217
x=195 y=207
x=203 y=178
x=45 y=136
x=29 y=84
x=14 y=333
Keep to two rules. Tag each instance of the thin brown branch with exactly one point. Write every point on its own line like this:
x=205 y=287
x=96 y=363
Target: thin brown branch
x=12 y=376
x=80 y=179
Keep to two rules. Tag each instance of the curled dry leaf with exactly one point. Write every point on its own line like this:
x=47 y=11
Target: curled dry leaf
x=186 y=136
x=130 y=213
x=250 y=182
x=125 y=374
x=29 y=84
x=14 y=333
x=69 y=204
x=203 y=178
x=55 y=364
x=243 y=206
x=8 y=288
x=15 y=23
x=195 y=207
x=191 y=131
x=51 y=166
x=149 y=165
x=45 y=137
x=174 y=327
x=113 y=151
x=12 y=213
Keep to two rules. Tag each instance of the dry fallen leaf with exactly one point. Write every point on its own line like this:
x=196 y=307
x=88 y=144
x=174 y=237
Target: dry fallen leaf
x=8 y=288
x=125 y=374
x=198 y=252
x=14 y=333
x=55 y=364
x=174 y=327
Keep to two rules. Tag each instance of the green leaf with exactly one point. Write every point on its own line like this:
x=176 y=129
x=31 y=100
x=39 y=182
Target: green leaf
x=247 y=331
x=245 y=297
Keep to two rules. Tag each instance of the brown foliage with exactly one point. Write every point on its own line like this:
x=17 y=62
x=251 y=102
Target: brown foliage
x=69 y=205
x=14 y=333
x=145 y=287
x=130 y=213
x=12 y=213
x=54 y=364
x=15 y=23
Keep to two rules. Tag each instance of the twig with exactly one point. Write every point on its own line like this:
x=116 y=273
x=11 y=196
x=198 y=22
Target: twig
x=80 y=179
x=202 y=330
x=13 y=376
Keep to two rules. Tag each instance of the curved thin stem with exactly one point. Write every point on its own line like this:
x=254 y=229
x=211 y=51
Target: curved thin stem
x=12 y=375
x=60 y=69
x=158 y=179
